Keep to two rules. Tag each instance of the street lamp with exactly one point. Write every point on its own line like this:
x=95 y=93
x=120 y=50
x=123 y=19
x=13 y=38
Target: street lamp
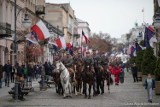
x=26 y=24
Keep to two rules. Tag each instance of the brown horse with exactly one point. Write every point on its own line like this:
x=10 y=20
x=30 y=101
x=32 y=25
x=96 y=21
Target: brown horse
x=78 y=70
x=88 y=75
x=58 y=85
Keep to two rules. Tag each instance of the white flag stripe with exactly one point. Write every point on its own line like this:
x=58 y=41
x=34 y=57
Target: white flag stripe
x=44 y=29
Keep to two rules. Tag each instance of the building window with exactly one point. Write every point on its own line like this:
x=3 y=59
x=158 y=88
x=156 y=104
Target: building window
x=70 y=24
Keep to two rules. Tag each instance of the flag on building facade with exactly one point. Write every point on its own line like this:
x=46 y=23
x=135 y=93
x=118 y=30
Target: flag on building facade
x=133 y=50
x=61 y=42
x=41 y=30
x=85 y=37
x=32 y=37
x=149 y=33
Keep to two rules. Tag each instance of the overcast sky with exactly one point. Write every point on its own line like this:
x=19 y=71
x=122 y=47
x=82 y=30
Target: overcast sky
x=115 y=17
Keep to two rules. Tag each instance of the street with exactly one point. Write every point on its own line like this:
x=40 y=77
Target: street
x=128 y=94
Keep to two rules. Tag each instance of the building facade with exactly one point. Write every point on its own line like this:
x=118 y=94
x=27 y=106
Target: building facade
x=62 y=16
x=7 y=21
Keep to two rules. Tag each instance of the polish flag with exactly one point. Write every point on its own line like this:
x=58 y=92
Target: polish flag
x=61 y=42
x=69 y=45
x=41 y=30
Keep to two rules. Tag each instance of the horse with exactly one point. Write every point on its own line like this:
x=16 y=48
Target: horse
x=78 y=70
x=58 y=85
x=65 y=78
x=88 y=78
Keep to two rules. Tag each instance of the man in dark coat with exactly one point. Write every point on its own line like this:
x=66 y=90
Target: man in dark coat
x=1 y=75
x=134 y=70
x=8 y=70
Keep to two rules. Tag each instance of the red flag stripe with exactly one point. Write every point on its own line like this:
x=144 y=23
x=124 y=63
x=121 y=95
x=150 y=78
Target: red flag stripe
x=38 y=31
x=58 y=42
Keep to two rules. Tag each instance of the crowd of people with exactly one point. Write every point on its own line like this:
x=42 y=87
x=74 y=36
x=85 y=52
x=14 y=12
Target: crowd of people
x=8 y=72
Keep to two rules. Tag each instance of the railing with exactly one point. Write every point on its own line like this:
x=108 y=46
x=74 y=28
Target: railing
x=5 y=30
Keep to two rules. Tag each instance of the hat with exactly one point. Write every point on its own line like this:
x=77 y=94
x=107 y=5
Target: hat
x=87 y=52
x=79 y=52
x=94 y=50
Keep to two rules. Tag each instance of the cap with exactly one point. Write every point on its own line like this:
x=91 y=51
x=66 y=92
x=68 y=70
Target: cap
x=94 y=50
x=87 y=52
x=79 y=52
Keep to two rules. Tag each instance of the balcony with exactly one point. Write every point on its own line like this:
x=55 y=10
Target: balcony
x=5 y=30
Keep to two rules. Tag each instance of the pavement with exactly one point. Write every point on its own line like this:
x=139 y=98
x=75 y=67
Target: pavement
x=128 y=94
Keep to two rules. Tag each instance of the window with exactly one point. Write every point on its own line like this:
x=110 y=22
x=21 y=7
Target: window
x=70 y=24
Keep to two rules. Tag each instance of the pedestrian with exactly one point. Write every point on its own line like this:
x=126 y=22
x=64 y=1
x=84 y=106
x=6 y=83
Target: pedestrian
x=134 y=70
x=12 y=75
x=117 y=73
x=8 y=70
x=1 y=74
x=149 y=85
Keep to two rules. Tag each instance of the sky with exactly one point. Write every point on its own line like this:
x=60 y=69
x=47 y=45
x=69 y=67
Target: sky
x=115 y=17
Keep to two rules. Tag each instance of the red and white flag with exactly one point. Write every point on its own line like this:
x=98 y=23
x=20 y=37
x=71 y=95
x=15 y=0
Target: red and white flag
x=32 y=37
x=41 y=30
x=61 y=42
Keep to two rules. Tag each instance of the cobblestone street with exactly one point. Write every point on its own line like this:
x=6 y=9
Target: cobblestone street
x=128 y=94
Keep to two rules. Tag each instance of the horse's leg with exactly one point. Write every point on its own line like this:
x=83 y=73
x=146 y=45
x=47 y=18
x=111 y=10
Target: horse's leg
x=102 y=86
x=89 y=90
x=80 y=88
x=70 y=89
x=84 y=89
x=64 y=89
x=76 y=89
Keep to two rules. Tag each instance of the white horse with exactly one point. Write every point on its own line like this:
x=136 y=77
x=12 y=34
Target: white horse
x=65 y=78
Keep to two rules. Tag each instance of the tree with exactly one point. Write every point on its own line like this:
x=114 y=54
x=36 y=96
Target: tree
x=139 y=59
x=100 y=41
x=149 y=61
x=157 y=70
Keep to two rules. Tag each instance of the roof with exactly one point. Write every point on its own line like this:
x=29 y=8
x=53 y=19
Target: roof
x=81 y=21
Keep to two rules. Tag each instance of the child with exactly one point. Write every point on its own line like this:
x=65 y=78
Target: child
x=149 y=85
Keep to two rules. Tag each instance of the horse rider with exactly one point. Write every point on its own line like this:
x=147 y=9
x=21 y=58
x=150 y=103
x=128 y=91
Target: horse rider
x=68 y=62
x=77 y=58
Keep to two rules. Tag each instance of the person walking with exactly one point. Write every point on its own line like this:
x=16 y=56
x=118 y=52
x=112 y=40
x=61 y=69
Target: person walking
x=149 y=85
x=1 y=74
x=8 y=70
x=117 y=73
x=12 y=75
x=134 y=70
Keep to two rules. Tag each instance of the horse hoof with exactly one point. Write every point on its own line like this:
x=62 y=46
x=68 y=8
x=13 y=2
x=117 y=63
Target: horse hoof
x=65 y=97
x=89 y=97
x=69 y=96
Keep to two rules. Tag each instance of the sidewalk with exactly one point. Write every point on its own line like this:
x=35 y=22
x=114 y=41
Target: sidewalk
x=4 y=90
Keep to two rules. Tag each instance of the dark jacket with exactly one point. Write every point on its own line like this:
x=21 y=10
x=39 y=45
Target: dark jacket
x=8 y=68
x=1 y=71
x=134 y=69
x=146 y=84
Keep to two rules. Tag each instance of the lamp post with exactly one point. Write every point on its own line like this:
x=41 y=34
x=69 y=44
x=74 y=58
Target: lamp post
x=26 y=23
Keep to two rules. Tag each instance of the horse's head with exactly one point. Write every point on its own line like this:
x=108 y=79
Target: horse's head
x=59 y=66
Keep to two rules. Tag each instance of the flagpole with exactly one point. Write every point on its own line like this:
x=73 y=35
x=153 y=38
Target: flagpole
x=143 y=15
x=81 y=43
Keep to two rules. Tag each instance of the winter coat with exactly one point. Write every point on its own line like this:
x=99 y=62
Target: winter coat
x=1 y=71
x=146 y=84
